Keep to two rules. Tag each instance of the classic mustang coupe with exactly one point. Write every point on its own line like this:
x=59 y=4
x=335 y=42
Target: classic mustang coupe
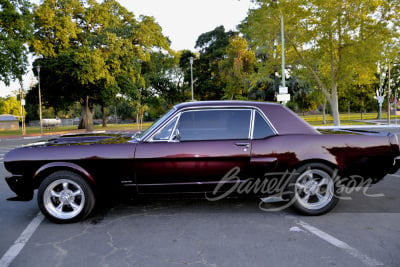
x=219 y=148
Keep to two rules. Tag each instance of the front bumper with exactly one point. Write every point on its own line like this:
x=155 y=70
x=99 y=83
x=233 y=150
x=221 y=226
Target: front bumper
x=22 y=187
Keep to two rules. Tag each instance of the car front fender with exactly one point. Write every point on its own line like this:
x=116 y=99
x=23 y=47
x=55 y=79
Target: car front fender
x=48 y=168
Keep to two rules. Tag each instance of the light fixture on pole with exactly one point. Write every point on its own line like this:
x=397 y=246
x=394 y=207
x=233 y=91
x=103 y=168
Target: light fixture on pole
x=191 y=76
x=40 y=101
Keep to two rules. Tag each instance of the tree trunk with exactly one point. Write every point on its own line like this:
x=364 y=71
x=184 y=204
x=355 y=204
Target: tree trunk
x=333 y=96
x=334 y=103
x=87 y=116
x=104 y=116
x=137 y=122
x=324 y=111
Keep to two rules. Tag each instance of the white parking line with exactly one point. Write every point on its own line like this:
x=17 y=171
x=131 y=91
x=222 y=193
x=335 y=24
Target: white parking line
x=340 y=244
x=19 y=244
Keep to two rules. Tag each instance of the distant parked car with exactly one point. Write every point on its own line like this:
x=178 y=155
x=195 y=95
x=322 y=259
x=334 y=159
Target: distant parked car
x=201 y=147
x=51 y=123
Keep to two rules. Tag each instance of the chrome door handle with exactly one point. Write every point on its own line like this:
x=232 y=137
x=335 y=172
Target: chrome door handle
x=247 y=145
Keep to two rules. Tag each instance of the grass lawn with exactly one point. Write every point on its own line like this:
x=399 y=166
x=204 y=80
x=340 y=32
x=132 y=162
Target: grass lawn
x=346 y=119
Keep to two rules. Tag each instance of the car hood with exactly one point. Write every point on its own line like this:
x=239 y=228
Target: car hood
x=85 y=139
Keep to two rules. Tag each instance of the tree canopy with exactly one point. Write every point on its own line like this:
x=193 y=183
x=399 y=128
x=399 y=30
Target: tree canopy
x=236 y=68
x=15 y=31
x=212 y=46
x=95 y=47
x=99 y=54
x=330 y=43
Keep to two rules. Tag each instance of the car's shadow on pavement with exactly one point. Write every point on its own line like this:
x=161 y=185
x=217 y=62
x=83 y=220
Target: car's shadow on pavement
x=174 y=205
x=382 y=197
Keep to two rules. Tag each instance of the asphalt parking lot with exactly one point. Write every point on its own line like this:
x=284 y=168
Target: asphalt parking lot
x=361 y=231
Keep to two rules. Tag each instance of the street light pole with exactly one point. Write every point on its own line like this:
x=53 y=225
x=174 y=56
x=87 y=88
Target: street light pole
x=389 y=94
x=283 y=94
x=40 y=101
x=191 y=76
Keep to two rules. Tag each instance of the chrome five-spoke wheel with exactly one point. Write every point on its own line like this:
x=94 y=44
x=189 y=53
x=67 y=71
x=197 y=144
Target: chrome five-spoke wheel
x=314 y=190
x=65 y=197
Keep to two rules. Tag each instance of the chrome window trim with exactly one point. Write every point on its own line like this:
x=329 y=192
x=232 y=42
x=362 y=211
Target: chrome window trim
x=224 y=108
x=149 y=136
x=252 y=121
x=161 y=127
x=265 y=119
x=178 y=116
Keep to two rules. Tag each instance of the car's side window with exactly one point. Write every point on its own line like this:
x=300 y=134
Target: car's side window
x=165 y=133
x=261 y=128
x=214 y=124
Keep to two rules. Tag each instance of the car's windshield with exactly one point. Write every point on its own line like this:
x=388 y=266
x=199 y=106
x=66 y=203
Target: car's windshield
x=140 y=135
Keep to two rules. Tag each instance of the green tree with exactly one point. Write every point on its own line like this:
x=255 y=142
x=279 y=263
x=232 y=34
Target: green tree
x=212 y=47
x=303 y=98
x=10 y=105
x=163 y=78
x=15 y=32
x=334 y=43
x=98 y=47
x=236 y=68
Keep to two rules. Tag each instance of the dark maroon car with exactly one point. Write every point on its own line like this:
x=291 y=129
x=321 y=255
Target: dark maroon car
x=218 y=147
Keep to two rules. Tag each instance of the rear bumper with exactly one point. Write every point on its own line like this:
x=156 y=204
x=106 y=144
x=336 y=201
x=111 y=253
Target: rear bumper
x=21 y=187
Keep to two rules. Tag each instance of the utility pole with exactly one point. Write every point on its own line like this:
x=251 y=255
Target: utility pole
x=389 y=94
x=22 y=101
x=283 y=95
x=283 y=50
x=40 y=101
x=191 y=76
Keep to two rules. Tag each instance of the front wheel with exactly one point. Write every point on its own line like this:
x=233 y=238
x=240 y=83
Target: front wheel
x=65 y=197
x=313 y=189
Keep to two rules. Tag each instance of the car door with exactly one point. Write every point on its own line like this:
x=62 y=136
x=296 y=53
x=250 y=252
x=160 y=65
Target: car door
x=195 y=150
x=265 y=153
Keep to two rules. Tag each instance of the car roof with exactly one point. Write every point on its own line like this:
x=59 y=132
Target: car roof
x=282 y=118
x=218 y=103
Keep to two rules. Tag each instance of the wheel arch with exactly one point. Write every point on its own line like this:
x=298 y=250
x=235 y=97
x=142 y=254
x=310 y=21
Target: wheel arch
x=52 y=167
x=328 y=163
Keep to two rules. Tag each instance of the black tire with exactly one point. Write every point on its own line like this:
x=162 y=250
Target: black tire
x=65 y=197
x=313 y=189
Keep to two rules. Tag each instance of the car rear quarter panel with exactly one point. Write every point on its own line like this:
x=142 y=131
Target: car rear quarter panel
x=349 y=154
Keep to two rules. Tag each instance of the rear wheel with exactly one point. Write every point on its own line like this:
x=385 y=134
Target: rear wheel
x=65 y=197
x=313 y=189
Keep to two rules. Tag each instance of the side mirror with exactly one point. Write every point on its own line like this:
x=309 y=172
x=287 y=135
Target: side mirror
x=136 y=135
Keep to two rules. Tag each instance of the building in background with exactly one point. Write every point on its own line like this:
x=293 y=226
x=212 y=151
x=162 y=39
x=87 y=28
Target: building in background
x=8 y=122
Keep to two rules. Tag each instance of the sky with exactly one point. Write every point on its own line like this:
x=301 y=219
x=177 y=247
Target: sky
x=182 y=21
